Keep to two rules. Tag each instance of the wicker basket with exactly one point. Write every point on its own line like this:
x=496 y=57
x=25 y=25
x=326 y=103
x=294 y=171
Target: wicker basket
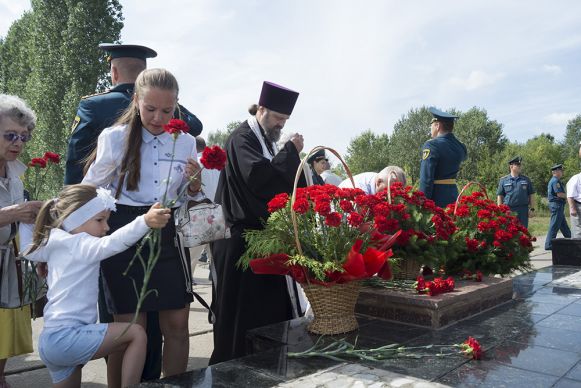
x=333 y=307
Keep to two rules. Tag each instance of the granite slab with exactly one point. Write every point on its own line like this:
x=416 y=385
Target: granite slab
x=407 y=306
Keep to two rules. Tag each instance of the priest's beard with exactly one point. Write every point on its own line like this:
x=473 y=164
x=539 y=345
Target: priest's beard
x=273 y=134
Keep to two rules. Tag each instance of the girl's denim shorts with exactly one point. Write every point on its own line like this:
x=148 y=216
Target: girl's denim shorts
x=64 y=348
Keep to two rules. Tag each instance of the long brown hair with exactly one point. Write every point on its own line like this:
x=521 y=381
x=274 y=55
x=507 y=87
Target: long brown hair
x=53 y=212
x=131 y=163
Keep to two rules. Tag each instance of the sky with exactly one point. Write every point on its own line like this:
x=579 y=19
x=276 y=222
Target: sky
x=363 y=65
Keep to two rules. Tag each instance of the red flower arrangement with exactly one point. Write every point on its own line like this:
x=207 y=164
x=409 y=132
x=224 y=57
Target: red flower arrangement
x=489 y=240
x=37 y=163
x=334 y=231
x=425 y=227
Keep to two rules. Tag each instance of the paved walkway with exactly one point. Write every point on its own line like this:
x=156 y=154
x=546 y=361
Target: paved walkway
x=28 y=371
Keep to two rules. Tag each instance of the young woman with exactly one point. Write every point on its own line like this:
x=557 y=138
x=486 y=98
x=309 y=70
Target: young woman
x=134 y=158
x=70 y=236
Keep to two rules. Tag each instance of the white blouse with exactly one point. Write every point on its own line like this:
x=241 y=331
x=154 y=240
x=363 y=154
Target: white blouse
x=156 y=158
x=73 y=270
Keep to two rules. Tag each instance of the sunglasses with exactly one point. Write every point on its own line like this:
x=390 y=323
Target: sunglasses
x=13 y=136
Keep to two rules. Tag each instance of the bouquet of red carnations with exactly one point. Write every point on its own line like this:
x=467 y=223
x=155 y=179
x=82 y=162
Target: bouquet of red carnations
x=489 y=239
x=335 y=229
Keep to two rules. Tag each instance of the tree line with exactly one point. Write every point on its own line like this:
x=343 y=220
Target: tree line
x=50 y=58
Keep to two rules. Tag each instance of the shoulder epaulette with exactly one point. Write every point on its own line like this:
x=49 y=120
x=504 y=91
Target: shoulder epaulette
x=95 y=94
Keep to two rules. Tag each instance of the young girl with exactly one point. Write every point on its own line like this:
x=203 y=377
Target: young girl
x=70 y=236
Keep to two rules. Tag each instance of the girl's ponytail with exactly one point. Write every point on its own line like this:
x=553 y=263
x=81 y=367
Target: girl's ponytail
x=44 y=221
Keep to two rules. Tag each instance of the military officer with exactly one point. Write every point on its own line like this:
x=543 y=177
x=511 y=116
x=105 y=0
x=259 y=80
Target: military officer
x=441 y=158
x=517 y=192
x=557 y=197
x=99 y=111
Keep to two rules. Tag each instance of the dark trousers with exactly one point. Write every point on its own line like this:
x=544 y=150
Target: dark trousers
x=557 y=223
x=152 y=366
x=522 y=213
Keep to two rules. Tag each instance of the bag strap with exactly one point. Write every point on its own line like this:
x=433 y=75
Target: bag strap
x=18 y=264
x=188 y=279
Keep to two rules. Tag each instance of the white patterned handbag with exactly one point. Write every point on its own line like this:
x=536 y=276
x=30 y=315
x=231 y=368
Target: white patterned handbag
x=199 y=223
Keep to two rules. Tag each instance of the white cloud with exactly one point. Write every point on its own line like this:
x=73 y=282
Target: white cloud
x=552 y=69
x=10 y=10
x=561 y=118
x=477 y=79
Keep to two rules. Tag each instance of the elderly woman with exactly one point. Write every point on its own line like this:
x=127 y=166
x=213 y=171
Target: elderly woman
x=16 y=124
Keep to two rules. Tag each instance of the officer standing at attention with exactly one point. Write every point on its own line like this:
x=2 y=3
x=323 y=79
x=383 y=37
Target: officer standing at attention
x=99 y=111
x=517 y=192
x=557 y=197
x=441 y=158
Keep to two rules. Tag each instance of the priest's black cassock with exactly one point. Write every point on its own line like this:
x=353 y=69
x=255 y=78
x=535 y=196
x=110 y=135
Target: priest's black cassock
x=242 y=300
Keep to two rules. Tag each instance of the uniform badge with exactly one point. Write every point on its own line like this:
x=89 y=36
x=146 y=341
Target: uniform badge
x=425 y=153
x=75 y=123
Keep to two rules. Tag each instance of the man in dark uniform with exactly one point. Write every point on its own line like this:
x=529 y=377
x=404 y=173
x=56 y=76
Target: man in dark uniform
x=441 y=158
x=517 y=192
x=99 y=111
x=96 y=113
x=557 y=196
x=255 y=172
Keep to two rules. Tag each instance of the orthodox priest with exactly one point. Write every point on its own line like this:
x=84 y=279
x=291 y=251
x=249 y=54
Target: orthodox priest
x=255 y=172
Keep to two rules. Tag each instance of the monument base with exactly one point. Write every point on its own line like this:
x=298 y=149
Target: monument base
x=567 y=251
x=407 y=306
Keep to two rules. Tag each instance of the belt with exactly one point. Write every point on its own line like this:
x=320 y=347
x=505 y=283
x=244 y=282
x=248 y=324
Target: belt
x=450 y=181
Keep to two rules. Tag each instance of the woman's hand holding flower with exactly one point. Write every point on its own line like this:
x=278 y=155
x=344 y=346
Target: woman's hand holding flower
x=193 y=173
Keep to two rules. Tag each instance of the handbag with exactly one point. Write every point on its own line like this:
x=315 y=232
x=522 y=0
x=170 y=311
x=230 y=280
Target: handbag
x=19 y=283
x=199 y=223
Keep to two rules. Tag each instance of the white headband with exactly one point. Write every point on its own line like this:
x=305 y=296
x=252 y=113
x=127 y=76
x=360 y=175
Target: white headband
x=103 y=201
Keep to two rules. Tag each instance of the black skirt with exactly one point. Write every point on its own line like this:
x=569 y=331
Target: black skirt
x=171 y=276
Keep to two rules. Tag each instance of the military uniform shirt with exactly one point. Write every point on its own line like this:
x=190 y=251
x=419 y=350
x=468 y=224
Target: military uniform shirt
x=441 y=159
x=516 y=190
x=156 y=156
x=555 y=186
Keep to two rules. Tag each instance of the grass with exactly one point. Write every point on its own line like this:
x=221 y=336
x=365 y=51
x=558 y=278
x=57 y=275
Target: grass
x=539 y=225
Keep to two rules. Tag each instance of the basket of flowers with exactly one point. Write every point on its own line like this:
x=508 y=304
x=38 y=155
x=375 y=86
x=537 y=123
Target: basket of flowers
x=321 y=237
x=489 y=239
x=425 y=229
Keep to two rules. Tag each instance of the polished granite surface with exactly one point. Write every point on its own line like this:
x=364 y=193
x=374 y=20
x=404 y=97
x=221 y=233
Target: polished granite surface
x=532 y=341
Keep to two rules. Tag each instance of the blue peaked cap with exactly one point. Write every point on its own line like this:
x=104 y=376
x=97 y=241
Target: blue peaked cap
x=441 y=116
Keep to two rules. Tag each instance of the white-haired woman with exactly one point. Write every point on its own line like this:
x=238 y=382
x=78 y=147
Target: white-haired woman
x=17 y=121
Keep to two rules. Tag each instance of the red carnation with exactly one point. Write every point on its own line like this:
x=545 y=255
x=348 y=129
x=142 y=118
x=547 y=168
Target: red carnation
x=175 y=127
x=471 y=347
x=355 y=219
x=37 y=162
x=52 y=157
x=213 y=158
x=333 y=219
x=278 y=202
x=301 y=205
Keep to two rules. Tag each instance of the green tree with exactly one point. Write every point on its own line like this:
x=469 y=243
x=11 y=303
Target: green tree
x=571 y=146
x=368 y=152
x=50 y=58
x=539 y=154
x=409 y=134
x=219 y=136
x=485 y=141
